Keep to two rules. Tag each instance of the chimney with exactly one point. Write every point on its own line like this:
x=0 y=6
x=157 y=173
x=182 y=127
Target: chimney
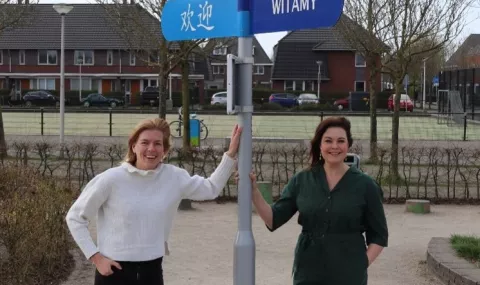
x=20 y=2
x=27 y=2
x=132 y=2
x=124 y=2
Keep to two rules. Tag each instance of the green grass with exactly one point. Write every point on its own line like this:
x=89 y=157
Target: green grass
x=220 y=126
x=467 y=247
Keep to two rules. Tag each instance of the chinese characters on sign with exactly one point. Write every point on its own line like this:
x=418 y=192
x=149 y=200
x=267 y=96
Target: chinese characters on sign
x=203 y=18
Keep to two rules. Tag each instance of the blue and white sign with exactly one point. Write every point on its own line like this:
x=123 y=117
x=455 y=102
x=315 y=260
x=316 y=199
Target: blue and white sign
x=288 y=15
x=435 y=80
x=199 y=19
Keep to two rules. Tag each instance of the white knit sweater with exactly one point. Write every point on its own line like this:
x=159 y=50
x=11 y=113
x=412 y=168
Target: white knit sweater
x=135 y=208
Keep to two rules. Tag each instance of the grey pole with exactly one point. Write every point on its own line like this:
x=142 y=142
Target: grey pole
x=62 y=86
x=244 y=254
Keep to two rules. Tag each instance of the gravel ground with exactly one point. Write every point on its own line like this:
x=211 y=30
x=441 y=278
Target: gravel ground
x=202 y=240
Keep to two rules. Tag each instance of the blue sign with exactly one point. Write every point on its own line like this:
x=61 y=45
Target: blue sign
x=288 y=15
x=435 y=80
x=200 y=19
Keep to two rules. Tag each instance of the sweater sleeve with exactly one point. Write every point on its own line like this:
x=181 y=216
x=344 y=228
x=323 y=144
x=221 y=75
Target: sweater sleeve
x=84 y=209
x=199 y=188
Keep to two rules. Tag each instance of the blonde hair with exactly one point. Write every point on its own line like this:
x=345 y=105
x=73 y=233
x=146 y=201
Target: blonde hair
x=148 y=124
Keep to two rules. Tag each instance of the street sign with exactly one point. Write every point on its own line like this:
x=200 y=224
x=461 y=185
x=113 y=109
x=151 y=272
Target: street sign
x=435 y=81
x=200 y=19
x=288 y=15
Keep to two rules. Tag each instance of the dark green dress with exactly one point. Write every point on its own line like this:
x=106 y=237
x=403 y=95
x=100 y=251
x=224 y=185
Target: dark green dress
x=331 y=249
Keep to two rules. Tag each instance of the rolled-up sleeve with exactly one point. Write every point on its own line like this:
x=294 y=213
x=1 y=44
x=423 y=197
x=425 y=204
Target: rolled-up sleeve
x=376 y=231
x=286 y=206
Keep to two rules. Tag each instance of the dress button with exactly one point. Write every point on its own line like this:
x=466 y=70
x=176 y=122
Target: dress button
x=326 y=210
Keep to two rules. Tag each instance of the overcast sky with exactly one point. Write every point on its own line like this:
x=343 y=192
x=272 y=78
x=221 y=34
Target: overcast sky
x=269 y=40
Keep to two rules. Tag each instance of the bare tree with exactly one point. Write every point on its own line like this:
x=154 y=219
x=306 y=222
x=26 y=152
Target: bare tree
x=431 y=22
x=364 y=27
x=13 y=14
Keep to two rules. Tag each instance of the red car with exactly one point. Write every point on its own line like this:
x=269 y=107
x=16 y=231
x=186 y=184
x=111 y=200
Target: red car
x=405 y=103
x=341 y=104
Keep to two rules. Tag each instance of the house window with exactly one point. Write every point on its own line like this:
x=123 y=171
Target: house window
x=258 y=69
x=109 y=57
x=84 y=57
x=220 y=50
x=1 y=56
x=289 y=84
x=218 y=69
x=309 y=85
x=359 y=60
x=132 y=59
x=21 y=57
x=253 y=50
x=42 y=84
x=298 y=86
x=360 y=86
x=47 y=57
x=75 y=84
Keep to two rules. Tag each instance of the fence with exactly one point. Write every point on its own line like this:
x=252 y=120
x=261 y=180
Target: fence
x=437 y=173
x=277 y=125
x=467 y=83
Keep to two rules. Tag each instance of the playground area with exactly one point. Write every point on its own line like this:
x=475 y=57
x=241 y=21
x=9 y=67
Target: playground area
x=219 y=126
x=202 y=244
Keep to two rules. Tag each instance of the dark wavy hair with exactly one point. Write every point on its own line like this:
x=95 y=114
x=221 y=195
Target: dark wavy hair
x=340 y=122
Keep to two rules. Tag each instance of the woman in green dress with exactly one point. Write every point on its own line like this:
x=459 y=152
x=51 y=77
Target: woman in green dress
x=344 y=228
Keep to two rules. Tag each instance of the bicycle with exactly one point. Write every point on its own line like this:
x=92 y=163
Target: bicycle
x=176 y=127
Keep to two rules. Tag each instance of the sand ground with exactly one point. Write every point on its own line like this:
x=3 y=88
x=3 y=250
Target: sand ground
x=202 y=245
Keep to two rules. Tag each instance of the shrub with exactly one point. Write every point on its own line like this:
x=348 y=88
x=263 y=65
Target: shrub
x=32 y=227
x=467 y=247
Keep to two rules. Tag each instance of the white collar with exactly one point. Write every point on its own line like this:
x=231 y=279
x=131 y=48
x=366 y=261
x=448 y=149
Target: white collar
x=132 y=169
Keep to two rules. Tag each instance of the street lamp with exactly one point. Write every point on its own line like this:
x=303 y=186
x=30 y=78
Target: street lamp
x=62 y=9
x=424 y=81
x=319 y=77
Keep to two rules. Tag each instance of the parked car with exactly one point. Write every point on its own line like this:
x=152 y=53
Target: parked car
x=405 y=103
x=342 y=104
x=284 y=99
x=150 y=96
x=95 y=99
x=41 y=98
x=307 y=98
x=219 y=98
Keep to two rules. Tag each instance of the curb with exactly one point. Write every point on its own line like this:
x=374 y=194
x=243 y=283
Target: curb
x=443 y=261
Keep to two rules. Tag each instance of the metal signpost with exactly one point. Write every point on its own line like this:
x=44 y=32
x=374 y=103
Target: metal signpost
x=207 y=19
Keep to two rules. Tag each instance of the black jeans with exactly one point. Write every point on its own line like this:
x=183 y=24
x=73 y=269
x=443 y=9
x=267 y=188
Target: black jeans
x=133 y=273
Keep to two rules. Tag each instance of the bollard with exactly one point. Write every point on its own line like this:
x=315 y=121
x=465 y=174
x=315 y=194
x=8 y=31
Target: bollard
x=265 y=188
x=42 y=122
x=110 y=118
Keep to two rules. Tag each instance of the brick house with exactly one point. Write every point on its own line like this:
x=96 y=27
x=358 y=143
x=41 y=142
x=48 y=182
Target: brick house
x=95 y=54
x=217 y=63
x=300 y=55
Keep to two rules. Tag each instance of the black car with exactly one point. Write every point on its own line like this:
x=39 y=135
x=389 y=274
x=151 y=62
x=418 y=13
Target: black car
x=40 y=98
x=95 y=99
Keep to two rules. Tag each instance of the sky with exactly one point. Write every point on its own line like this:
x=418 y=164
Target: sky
x=267 y=41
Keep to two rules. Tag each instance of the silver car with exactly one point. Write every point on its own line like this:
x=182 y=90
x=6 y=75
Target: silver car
x=219 y=98
x=307 y=98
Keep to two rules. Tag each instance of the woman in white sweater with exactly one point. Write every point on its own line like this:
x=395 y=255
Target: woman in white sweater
x=135 y=204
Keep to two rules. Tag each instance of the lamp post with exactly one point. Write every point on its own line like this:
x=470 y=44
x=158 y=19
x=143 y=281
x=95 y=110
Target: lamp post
x=424 y=81
x=62 y=9
x=319 y=77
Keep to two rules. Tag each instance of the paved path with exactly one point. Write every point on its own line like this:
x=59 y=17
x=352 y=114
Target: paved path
x=202 y=246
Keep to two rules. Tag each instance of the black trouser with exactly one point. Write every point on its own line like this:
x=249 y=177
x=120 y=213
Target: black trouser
x=133 y=273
